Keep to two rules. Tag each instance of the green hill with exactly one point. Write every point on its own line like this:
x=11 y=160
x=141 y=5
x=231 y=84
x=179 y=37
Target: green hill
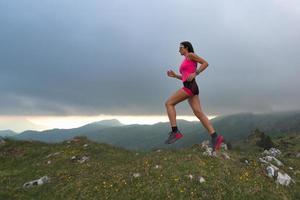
x=150 y=137
x=115 y=173
x=7 y=133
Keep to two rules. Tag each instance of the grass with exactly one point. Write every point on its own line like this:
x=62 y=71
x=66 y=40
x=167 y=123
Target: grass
x=164 y=174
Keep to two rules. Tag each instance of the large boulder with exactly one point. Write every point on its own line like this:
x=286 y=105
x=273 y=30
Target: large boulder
x=40 y=181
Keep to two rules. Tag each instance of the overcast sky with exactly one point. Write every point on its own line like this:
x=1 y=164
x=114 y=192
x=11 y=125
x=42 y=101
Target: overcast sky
x=110 y=57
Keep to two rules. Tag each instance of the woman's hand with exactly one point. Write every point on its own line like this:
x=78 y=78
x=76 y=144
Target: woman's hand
x=191 y=77
x=171 y=73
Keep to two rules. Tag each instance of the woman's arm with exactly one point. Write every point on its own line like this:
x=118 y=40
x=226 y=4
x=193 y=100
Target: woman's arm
x=200 y=60
x=178 y=76
x=172 y=74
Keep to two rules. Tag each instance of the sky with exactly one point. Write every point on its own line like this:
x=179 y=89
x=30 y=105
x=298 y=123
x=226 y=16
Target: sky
x=109 y=58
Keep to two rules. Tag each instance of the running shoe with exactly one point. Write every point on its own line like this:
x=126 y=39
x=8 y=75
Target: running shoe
x=218 y=142
x=173 y=137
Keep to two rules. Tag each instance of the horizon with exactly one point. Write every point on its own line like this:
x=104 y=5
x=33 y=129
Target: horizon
x=42 y=123
x=51 y=122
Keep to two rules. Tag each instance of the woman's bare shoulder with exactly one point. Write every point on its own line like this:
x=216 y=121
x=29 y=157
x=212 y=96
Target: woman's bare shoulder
x=194 y=57
x=191 y=56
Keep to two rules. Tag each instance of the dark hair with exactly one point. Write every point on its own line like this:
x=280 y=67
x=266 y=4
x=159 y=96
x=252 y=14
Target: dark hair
x=188 y=45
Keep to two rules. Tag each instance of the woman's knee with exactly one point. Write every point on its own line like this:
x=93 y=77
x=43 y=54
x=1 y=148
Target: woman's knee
x=168 y=103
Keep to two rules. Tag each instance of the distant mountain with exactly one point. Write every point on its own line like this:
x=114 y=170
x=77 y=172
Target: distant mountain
x=7 y=133
x=148 y=137
x=104 y=123
x=58 y=135
x=238 y=126
x=233 y=127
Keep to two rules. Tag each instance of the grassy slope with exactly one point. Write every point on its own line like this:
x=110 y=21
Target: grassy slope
x=108 y=173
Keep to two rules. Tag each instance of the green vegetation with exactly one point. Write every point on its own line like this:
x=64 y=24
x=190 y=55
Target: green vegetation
x=161 y=174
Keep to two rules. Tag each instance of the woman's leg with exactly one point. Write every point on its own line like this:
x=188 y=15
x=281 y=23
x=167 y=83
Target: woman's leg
x=194 y=102
x=177 y=97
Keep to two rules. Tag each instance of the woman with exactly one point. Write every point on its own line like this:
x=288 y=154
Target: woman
x=188 y=70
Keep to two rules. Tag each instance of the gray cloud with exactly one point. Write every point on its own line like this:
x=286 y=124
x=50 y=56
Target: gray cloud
x=90 y=58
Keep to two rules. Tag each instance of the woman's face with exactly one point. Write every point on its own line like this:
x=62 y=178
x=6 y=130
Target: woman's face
x=182 y=49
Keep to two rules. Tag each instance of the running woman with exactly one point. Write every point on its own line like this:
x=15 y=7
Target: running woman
x=188 y=70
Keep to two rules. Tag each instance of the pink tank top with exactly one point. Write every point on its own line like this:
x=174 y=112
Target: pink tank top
x=187 y=67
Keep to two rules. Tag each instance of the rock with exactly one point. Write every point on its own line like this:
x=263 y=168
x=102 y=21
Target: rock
x=40 y=181
x=157 y=167
x=201 y=179
x=270 y=171
x=290 y=168
x=136 y=175
x=73 y=158
x=272 y=152
x=263 y=161
x=276 y=168
x=244 y=160
x=283 y=179
x=86 y=145
x=190 y=176
x=271 y=158
x=268 y=158
x=273 y=171
x=53 y=154
x=278 y=162
x=224 y=146
x=56 y=153
x=49 y=162
x=83 y=159
x=298 y=155
x=205 y=144
x=209 y=152
x=225 y=155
